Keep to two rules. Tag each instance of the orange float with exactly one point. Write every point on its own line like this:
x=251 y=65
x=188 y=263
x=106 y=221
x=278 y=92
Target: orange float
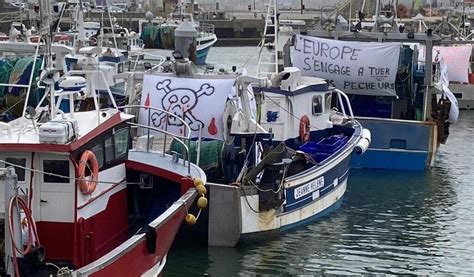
x=304 y=128
x=88 y=186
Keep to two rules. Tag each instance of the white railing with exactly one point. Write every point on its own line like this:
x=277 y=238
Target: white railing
x=340 y=96
x=176 y=137
x=139 y=59
x=206 y=28
x=30 y=79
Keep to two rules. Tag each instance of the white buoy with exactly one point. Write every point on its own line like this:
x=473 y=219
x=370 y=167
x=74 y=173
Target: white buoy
x=364 y=142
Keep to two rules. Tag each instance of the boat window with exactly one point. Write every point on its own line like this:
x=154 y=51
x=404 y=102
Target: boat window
x=327 y=100
x=120 y=68
x=121 y=143
x=20 y=172
x=317 y=105
x=60 y=167
x=109 y=149
x=98 y=150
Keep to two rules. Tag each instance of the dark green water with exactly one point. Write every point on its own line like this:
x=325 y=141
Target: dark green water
x=390 y=223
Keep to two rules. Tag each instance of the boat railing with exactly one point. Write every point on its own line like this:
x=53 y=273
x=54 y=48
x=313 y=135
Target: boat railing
x=150 y=62
x=206 y=28
x=341 y=96
x=183 y=140
x=30 y=79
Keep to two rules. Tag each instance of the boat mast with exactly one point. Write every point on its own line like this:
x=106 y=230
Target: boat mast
x=268 y=58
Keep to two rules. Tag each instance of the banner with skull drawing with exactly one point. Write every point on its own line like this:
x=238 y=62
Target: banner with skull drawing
x=198 y=102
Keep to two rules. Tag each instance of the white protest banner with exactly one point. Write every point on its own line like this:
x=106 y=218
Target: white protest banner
x=199 y=102
x=457 y=59
x=354 y=67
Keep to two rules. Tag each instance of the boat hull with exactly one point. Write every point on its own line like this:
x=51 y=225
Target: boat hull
x=201 y=55
x=464 y=94
x=398 y=145
x=144 y=254
x=234 y=216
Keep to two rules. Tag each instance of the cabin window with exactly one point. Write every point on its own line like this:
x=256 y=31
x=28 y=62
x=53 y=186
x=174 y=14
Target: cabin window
x=317 y=105
x=121 y=143
x=98 y=150
x=109 y=150
x=60 y=167
x=327 y=101
x=20 y=172
x=120 y=68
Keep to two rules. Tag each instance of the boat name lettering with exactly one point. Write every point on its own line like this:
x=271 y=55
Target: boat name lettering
x=309 y=187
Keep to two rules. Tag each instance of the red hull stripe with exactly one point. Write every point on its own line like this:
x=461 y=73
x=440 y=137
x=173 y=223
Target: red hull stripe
x=131 y=258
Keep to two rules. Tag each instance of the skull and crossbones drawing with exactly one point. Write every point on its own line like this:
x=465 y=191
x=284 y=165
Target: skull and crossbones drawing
x=180 y=102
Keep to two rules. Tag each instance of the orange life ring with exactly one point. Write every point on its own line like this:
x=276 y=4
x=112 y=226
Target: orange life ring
x=88 y=186
x=304 y=128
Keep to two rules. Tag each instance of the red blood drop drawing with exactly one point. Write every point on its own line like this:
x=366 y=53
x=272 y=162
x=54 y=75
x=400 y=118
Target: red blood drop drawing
x=147 y=101
x=212 y=129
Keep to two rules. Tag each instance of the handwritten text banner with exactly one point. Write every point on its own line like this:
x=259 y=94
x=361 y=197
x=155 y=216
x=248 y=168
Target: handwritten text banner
x=354 y=67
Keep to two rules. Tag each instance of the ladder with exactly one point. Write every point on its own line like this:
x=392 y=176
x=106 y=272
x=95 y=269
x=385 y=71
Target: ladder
x=268 y=58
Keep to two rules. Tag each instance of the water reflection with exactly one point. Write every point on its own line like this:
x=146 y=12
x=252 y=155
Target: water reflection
x=390 y=223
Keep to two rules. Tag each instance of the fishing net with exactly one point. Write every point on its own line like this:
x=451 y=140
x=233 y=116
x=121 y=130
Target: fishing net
x=20 y=74
x=5 y=70
x=210 y=154
x=167 y=37
x=151 y=37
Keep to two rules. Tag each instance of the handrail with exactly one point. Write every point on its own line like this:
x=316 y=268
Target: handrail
x=178 y=138
x=339 y=93
x=188 y=129
x=159 y=59
x=186 y=148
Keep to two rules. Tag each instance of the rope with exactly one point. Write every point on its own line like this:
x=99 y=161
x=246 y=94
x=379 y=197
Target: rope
x=62 y=271
x=247 y=201
x=54 y=174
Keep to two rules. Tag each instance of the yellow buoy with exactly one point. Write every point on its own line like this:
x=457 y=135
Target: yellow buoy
x=201 y=189
x=198 y=181
x=202 y=202
x=190 y=219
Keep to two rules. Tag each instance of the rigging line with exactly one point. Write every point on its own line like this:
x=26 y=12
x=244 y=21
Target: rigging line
x=259 y=47
x=250 y=206
x=276 y=103
x=57 y=175
x=247 y=201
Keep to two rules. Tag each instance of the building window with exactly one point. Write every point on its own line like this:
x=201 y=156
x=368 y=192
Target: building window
x=60 y=167
x=20 y=172
x=121 y=143
x=317 y=105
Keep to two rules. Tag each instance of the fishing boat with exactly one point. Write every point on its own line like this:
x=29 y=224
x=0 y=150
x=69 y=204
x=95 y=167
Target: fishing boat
x=392 y=93
x=159 y=33
x=457 y=56
x=268 y=178
x=81 y=198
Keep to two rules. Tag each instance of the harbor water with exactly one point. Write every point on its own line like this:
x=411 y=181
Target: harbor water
x=391 y=222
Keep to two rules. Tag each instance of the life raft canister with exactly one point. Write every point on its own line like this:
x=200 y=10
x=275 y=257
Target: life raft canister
x=88 y=158
x=305 y=128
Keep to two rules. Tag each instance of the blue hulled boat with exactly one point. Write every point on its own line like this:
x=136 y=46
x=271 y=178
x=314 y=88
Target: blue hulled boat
x=407 y=107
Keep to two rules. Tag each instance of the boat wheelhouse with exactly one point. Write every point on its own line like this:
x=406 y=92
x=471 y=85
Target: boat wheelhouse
x=81 y=195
